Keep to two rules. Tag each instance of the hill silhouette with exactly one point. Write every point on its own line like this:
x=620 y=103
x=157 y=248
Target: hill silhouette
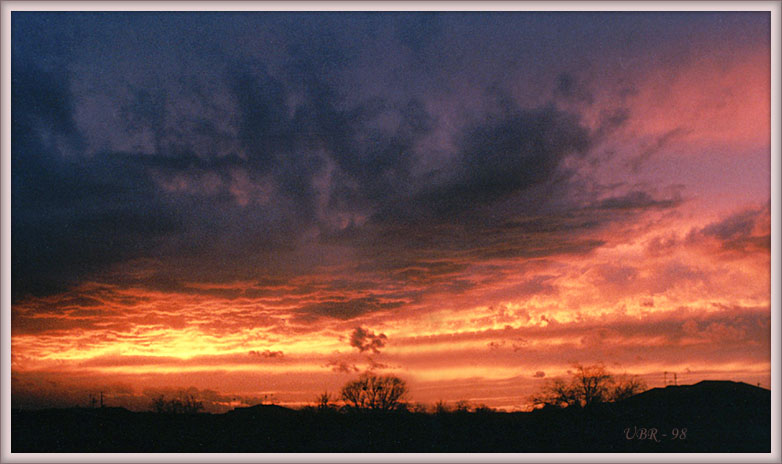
x=719 y=416
x=702 y=392
x=710 y=416
x=265 y=411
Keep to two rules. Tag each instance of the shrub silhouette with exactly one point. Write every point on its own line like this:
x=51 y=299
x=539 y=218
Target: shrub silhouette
x=324 y=402
x=185 y=404
x=462 y=406
x=441 y=407
x=588 y=385
x=371 y=392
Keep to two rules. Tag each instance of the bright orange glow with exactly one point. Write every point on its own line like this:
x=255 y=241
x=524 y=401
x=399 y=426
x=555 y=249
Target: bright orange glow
x=628 y=305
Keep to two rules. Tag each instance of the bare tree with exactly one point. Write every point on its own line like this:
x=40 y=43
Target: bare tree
x=372 y=392
x=557 y=393
x=592 y=384
x=588 y=385
x=626 y=386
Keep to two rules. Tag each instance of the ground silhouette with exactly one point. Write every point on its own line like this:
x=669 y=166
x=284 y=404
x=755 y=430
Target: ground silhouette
x=711 y=416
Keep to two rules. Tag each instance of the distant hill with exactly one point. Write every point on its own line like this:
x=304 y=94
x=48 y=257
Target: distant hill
x=262 y=410
x=704 y=399
x=703 y=392
x=710 y=416
x=719 y=416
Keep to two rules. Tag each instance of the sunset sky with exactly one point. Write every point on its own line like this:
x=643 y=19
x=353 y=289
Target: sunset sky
x=260 y=206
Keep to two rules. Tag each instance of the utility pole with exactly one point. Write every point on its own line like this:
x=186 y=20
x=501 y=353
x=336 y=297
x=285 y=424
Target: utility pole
x=101 y=399
x=675 y=382
x=665 y=378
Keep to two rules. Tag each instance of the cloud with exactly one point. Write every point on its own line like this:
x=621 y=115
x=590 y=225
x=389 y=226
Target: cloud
x=262 y=161
x=494 y=345
x=620 y=276
x=662 y=244
x=374 y=364
x=638 y=200
x=598 y=337
x=72 y=216
x=266 y=354
x=733 y=227
x=366 y=340
x=570 y=88
x=342 y=366
x=539 y=375
x=746 y=231
x=344 y=308
x=509 y=152
x=520 y=344
x=655 y=147
x=732 y=330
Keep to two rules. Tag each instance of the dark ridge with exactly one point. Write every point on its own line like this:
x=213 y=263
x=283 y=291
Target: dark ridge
x=704 y=387
x=262 y=410
x=699 y=400
x=710 y=416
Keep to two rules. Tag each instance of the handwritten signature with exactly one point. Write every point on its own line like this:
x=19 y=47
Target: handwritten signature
x=654 y=434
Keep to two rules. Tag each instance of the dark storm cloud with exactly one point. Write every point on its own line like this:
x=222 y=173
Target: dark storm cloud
x=71 y=215
x=366 y=340
x=265 y=135
x=75 y=213
x=505 y=166
x=638 y=200
x=347 y=308
x=515 y=152
x=265 y=129
x=416 y=31
x=278 y=139
x=569 y=88
x=429 y=272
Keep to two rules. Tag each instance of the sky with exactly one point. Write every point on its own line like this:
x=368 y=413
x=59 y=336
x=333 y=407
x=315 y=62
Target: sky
x=258 y=207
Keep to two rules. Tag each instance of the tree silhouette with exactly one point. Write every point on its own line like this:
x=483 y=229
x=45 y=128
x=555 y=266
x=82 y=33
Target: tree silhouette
x=588 y=385
x=626 y=386
x=592 y=384
x=372 y=392
x=557 y=393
